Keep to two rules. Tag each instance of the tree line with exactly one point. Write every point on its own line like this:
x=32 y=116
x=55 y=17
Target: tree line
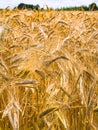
x=28 y=6
x=92 y=7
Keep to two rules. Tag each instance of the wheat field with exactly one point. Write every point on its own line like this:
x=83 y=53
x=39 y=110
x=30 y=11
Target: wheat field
x=48 y=70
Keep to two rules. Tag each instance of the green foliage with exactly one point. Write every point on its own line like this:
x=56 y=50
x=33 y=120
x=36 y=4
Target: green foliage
x=74 y=8
x=28 y=6
x=93 y=6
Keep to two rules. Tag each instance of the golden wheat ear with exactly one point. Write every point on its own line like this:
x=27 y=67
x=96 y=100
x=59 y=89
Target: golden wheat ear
x=48 y=70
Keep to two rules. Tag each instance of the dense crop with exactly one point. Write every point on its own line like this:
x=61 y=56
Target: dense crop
x=48 y=70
